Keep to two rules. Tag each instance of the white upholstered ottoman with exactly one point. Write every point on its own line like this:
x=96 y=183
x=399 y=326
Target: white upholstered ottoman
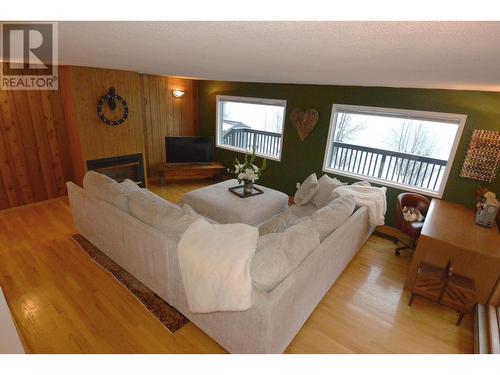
x=219 y=204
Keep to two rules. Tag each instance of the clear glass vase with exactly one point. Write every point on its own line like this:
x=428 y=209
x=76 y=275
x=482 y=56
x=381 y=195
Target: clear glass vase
x=247 y=187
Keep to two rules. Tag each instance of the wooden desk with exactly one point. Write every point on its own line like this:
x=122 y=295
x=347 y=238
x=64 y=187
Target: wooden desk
x=449 y=233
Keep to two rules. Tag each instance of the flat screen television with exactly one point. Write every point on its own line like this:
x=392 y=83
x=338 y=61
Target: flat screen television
x=194 y=150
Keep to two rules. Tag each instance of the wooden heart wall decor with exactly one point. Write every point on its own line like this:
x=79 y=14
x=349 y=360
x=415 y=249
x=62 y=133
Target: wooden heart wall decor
x=304 y=121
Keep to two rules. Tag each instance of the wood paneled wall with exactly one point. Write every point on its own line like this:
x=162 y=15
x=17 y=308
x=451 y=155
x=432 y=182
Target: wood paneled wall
x=46 y=137
x=96 y=139
x=166 y=115
x=34 y=149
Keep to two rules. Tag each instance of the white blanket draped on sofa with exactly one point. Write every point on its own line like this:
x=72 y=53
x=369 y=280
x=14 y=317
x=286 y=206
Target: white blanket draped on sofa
x=215 y=262
x=369 y=196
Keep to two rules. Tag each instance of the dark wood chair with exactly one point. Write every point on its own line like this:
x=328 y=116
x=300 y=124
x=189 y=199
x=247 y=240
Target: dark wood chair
x=414 y=228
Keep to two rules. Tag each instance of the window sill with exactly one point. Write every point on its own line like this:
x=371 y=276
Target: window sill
x=241 y=151
x=413 y=189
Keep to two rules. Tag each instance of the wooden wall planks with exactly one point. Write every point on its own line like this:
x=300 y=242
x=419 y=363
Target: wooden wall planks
x=68 y=105
x=34 y=150
x=98 y=140
x=166 y=115
x=46 y=137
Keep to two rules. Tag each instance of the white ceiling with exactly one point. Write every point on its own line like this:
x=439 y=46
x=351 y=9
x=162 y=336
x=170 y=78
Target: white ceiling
x=454 y=55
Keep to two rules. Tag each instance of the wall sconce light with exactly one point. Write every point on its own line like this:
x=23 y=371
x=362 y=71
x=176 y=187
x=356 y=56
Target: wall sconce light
x=178 y=93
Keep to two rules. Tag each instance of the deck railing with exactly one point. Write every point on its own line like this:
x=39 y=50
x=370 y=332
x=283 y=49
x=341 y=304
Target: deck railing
x=397 y=167
x=264 y=142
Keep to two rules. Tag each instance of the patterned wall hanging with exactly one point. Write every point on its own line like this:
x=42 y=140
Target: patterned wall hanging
x=483 y=156
x=304 y=121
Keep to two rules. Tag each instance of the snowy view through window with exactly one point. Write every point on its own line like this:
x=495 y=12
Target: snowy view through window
x=402 y=150
x=245 y=125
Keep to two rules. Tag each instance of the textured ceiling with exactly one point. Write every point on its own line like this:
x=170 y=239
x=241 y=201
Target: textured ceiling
x=455 y=55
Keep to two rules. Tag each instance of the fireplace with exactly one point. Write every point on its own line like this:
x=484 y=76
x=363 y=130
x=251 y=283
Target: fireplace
x=120 y=168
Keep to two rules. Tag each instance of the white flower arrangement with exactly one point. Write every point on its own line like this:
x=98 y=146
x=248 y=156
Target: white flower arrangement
x=248 y=172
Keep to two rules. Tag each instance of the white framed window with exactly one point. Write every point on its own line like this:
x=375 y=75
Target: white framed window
x=247 y=123
x=410 y=150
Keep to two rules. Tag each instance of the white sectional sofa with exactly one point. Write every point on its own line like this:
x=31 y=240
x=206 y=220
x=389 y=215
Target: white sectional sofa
x=275 y=316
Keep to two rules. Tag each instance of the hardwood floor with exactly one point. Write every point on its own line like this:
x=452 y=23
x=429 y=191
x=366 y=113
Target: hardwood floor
x=63 y=302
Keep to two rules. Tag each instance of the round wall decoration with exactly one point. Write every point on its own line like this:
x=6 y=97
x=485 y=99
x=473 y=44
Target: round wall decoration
x=111 y=98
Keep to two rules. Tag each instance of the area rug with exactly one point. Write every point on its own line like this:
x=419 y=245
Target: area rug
x=166 y=314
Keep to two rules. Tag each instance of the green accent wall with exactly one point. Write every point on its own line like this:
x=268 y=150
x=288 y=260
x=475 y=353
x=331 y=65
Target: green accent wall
x=299 y=159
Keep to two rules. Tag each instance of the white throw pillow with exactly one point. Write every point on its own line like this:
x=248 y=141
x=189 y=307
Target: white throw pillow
x=333 y=215
x=302 y=211
x=105 y=188
x=156 y=197
x=306 y=190
x=279 y=254
x=161 y=214
x=326 y=186
x=130 y=185
x=278 y=223
x=362 y=183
